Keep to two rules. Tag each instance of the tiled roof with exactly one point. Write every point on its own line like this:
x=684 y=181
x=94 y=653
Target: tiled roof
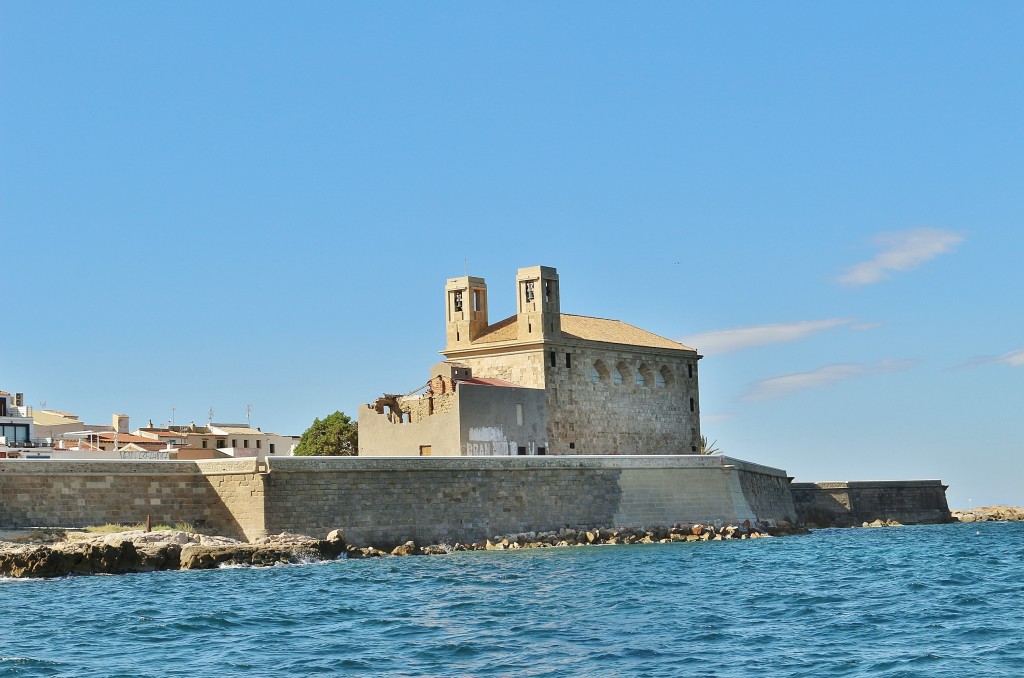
x=236 y=429
x=588 y=329
x=123 y=437
x=488 y=381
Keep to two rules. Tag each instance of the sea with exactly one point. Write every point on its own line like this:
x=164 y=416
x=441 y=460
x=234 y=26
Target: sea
x=931 y=600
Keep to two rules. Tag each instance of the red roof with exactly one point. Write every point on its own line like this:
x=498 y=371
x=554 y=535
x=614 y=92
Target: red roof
x=489 y=381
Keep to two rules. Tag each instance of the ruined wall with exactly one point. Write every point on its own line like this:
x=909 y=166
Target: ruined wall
x=80 y=493
x=628 y=418
x=489 y=420
x=387 y=501
x=380 y=436
x=848 y=504
x=522 y=366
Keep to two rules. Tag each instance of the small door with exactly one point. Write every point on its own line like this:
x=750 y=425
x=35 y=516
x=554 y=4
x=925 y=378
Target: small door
x=425 y=450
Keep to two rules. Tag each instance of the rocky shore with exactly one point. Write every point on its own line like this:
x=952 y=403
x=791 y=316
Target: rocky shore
x=58 y=553
x=989 y=513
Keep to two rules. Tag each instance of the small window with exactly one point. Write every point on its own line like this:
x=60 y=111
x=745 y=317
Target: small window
x=554 y=359
x=234 y=442
x=542 y=450
x=639 y=379
x=692 y=405
x=693 y=448
x=519 y=414
x=529 y=291
x=689 y=370
x=458 y=301
x=521 y=451
x=259 y=443
x=476 y=300
x=572 y=446
x=595 y=376
x=222 y=442
x=568 y=360
x=659 y=380
x=245 y=443
x=205 y=442
x=272 y=448
x=547 y=291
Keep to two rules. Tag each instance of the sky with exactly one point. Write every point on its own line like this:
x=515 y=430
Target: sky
x=217 y=205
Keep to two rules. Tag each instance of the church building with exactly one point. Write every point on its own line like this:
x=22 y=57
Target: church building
x=540 y=382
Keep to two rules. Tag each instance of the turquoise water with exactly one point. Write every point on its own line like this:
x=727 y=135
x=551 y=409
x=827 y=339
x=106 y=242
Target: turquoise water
x=915 y=601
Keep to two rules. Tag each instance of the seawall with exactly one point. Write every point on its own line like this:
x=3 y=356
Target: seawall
x=849 y=504
x=388 y=500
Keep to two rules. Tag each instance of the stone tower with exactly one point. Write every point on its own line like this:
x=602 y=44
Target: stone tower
x=538 y=309
x=466 y=314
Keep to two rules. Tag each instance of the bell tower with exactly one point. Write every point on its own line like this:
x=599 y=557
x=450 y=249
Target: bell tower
x=538 y=307
x=465 y=310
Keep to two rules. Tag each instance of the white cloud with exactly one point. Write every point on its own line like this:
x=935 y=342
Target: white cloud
x=1013 y=359
x=724 y=341
x=901 y=251
x=776 y=387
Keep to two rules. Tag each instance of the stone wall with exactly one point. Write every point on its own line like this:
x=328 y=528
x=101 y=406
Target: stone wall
x=621 y=418
x=390 y=500
x=80 y=493
x=848 y=504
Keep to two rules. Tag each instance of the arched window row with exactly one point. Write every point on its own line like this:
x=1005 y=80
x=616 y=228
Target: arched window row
x=623 y=373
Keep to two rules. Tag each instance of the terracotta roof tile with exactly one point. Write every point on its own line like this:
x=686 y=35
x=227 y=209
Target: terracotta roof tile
x=588 y=329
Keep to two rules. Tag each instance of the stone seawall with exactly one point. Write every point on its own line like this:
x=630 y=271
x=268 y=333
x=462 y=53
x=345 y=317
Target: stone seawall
x=433 y=500
x=849 y=504
x=388 y=501
x=209 y=495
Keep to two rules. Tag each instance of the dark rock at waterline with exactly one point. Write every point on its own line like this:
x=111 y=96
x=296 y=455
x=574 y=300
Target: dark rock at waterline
x=128 y=552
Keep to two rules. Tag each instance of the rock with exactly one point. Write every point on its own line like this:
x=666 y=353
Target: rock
x=409 y=548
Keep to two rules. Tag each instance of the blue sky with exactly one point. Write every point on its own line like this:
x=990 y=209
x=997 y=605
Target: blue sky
x=215 y=205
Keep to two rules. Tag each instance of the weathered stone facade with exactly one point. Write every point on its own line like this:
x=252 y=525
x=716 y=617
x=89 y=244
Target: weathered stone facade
x=607 y=387
x=610 y=388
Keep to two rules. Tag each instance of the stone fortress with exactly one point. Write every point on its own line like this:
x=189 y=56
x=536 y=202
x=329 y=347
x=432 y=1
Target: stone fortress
x=538 y=422
x=540 y=382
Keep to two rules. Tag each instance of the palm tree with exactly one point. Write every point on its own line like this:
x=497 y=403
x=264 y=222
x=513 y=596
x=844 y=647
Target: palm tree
x=709 y=448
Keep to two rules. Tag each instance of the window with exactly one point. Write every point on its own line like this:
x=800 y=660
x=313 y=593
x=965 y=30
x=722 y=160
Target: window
x=476 y=300
x=554 y=359
x=259 y=443
x=692 y=405
x=644 y=376
x=599 y=372
x=272 y=448
x=458 y=301
x=542 y=450
x=529 y=291
x=621 y=375
x=548 y=289
x=665 y=376
x=222 y=442
x=521 y=451
x=689 y=370
x=245 y=443
x=234 y=442
x=205 y=442
x=519 y=414
x=426 y=450
x=659 y=380
x=568 y=360
x=572 y=446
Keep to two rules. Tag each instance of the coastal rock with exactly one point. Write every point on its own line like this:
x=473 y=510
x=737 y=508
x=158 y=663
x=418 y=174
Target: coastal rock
x=989 y=513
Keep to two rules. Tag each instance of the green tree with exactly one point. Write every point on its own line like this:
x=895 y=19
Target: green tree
x=334 y=436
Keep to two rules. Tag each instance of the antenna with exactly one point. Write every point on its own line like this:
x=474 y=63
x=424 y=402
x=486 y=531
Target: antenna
x=211 y=414
x=248 y=415
x=465 y=266
x=173 y=408
x=42 y=404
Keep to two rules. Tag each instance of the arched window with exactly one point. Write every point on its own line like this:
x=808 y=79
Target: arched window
x=644 y=376
x=621 y=375
x=599 y=372
x=665 y=377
